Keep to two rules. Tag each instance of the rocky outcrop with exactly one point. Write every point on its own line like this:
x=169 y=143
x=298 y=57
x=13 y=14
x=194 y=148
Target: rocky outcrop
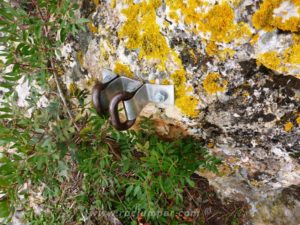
x=235 y=66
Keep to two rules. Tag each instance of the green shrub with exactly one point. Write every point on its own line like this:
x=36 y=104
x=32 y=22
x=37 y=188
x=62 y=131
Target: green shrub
x=65 y=157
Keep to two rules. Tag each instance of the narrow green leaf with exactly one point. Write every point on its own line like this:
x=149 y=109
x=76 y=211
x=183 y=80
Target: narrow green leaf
x=137 y=190
x=7 y=110
x=4 y=208
x=82 y=20
x=129 y=190
x=6 y=116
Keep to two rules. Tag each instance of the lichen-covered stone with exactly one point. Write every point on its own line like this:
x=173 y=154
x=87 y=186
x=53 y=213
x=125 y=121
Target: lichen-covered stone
x=235 y=67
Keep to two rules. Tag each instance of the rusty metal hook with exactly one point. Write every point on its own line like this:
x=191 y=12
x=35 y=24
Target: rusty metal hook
x=96 y=98
x=114 y=112
x=107 y=78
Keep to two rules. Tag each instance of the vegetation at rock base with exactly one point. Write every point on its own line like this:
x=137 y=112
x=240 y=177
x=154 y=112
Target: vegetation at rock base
x=60 y=163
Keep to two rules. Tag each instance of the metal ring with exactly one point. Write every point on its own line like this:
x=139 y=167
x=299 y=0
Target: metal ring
x=96 y=98
x=114 y=113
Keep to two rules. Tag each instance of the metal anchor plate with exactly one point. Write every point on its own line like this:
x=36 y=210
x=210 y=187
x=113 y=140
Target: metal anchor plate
x=117 y=85
x=107 y=76
x=134 y=95
x=160 y=94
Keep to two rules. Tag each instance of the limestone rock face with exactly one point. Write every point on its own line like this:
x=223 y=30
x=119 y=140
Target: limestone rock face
x=235 y=66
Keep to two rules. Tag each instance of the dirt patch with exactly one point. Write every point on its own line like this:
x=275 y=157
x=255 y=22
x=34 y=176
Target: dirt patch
x=207 y=209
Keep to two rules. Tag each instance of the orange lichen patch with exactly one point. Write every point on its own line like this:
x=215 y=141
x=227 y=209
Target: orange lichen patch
x=296 y=2
x=261 y=19
x=92 y=27
x=265 y=19
x=288 y=126
x=213 y=83
x=270 y=59
x=219 y=22
x=211 y=49
x=123 y=70
x=291 y=24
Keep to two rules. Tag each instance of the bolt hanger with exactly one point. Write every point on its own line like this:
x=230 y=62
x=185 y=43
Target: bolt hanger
x=133 y=94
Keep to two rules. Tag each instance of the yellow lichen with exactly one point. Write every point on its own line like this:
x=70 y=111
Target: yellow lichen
x=104 y=54
x=213 y=83
x=80 y=57
x=193 y=56
x=113 y=3
x=96 y=2
x=226 y=53
x=187 y=104
x=60 y=71
x=296 y=38
x=235 y=3
x=210 y=145
x=265 y=19
x=140 y=31
x=270 y=59
x=123 y=70
x=152 y=81
x=296 y=3
x=254 y=39
x=211 y=49
x=219 y=22
x=282 y=62
x=292 y=55
x=298 y=120
x=92 y=27
x=72 y=88
x=221 y=54
x=288 y=126
x=174 y=16
x=165 y=82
